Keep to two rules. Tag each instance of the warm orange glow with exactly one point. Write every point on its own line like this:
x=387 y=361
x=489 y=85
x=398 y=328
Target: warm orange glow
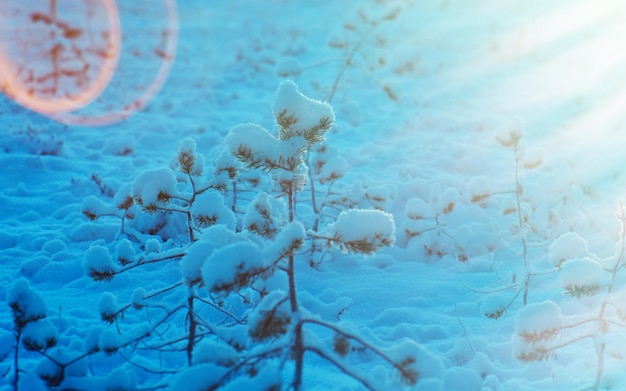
x=66 y=59
x=56 y=58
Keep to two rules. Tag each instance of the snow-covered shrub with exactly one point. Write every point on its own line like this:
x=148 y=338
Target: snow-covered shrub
x=233 y=303
x=594 y=286
x=361 y=231
x=31 y=328
x=235 y=268
x=535 y=325
x=514 y=202
x=98 y=263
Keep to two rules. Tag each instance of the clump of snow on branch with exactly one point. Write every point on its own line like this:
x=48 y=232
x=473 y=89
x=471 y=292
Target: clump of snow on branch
x=125 y=251
x=582 y=276
x=290 y=239
x=567 y=246
x=108 y=307
x=535 y=326
x=362 y=231
x=306 y=112
x=26 y=304
x=233 y=266
x=209 y=209
x=154 y=187
x=261 y=215
x=40 y=335
x=98 y=264
x=188 y=161
x=214 y=237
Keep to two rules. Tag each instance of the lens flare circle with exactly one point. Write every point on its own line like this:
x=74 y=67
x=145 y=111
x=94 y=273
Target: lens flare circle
x=55 y=59
x=73 y=62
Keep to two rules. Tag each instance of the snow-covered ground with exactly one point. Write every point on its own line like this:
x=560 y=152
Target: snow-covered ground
x=492 y=132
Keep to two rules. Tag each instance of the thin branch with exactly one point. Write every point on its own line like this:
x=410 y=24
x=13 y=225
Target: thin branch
x=469 y=342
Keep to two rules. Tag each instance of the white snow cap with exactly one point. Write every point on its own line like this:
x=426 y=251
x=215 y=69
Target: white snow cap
x=28 y=305
x=231 y=266
x=290 y=238
x=148 y=185
x=40 y=335
x=374 y=227
x=254 y=137
x=418 y=209
x=537 y=318
x=212 y=238
x=307 y=111
x=97 y=261
x=209 y=209
x=582 y=272
x=188 y=147
x=263 y=215
x=567 y=246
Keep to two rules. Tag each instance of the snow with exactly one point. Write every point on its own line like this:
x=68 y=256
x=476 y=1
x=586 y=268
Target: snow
x=125 y=251
x=97 y=261
x=307 y=112
x=39 y=335
x=437 y=109
x=26 y=304
x=149 y=185
x=262 y=215
x=231 y=265
x=582 y=272
x=108 y=306
x=209 y=209
x=567 y=246
x=536 y=318
x=359 y=225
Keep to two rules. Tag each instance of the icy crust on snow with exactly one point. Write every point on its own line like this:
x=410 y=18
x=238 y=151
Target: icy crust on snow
x=307 y=111
x=149 y=185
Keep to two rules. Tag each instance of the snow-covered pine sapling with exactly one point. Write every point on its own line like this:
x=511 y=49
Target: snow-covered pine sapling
x=170 y=198
x=157 y=190
x=592 y=282
x=35 y=333
x=30 y=326
x=524 y=160
x=276 y=324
